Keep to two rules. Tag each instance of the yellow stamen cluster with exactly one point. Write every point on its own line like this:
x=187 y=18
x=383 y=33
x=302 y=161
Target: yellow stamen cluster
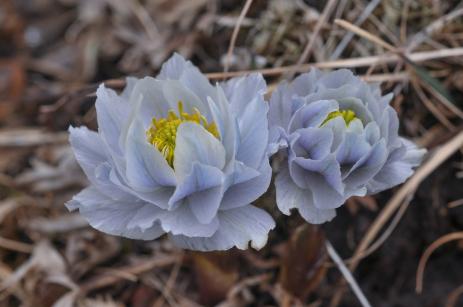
x=347 y=115
x=163 y=132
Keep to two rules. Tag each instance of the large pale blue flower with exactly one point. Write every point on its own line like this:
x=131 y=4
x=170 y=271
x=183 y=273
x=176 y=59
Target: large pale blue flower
x=176 y=155
x=339 y=137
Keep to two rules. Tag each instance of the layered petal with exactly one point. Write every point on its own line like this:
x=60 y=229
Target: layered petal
x=176 y=155
x=238 y=227
x=340 y=139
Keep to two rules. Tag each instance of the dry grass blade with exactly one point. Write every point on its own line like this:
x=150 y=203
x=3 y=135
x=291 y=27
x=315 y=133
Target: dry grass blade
x=431 y=107
x=345 y=63
x=236 y=30
x=428 y=252
x=27 y=137
x=346 y=39
x=365 y=34
x=347 y=275
x=455 y=203
x=453 y=297
x=321 y=21
x=16 y=246
x=439 y=156
x=421 y=36
x=139 y=268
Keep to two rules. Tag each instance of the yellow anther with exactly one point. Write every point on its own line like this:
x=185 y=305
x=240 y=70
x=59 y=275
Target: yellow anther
x=347 y=115
x=163 y=132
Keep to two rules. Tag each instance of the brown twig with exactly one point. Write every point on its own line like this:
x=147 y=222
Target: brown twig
x=320 y=22
x=440 y=156
x=428 y=252
x=453 y=297
x=236 y=30
x=136 y=269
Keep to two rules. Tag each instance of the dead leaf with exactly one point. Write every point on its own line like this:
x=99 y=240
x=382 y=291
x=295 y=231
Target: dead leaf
x=215 y=273
x=87 y=249
x=302 y=266
x=12 y=83
x=43 y=277
x=46 y=177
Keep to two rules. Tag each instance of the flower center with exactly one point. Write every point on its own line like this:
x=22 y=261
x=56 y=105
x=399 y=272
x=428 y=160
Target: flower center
x=348 y=116
x=163 y=132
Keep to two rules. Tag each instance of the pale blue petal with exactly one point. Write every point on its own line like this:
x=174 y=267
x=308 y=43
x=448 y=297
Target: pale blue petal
x=174 y=92
x=280 y=109
x=242 y=90
x=237 y=228
x=129 y=86
x=247 y=188
x=323 y=177
x=367 y=166
x=253 y=125
x=182 y=221
x=398 y=168
x=114 y=217
x=226 y=123
x=277 y=139
x=306 y=84
x=88 y=149
x=173 y=68
x=312 y=115
x=389 y=127
x=203 y=190
x=194 y=143
x=177 y=68
x=356 y=105
x=148 y=101
x=146 y=167
x=313 y=143
x=112 y=114
x=289 y=196
x=352 y=149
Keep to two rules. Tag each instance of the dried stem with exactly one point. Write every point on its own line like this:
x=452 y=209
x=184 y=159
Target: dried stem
x=236 y=30
x=347 y=275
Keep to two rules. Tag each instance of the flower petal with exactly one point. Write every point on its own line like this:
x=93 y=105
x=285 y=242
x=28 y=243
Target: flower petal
x=182 y=221
x=322 y=177
x=203 y=191
x=312 y=115
x=289 y=196
x=248 y=186
x=146 y=167
x=112 y=113
x=114 y=217
x=177 y=68
x=241 y=91
x=253 y=126
x=196 y=144
x=237 y=228
x=88 y=149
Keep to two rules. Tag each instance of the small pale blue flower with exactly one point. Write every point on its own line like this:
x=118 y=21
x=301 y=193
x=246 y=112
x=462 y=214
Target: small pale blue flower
x=339 y=137
x=176 y=155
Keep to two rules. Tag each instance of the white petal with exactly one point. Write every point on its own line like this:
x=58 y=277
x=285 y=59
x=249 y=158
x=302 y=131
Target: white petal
x=289 y=196
x=177 y=68
x=203 y=190
x=237 y=228
x=88 y=149
x=118 y=218
x=146 y=167
x=194 y=143
x=247 y=187
x=253 y=125
x=182 y=221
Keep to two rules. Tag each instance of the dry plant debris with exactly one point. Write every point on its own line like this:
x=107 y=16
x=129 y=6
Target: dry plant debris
x=54 y=53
